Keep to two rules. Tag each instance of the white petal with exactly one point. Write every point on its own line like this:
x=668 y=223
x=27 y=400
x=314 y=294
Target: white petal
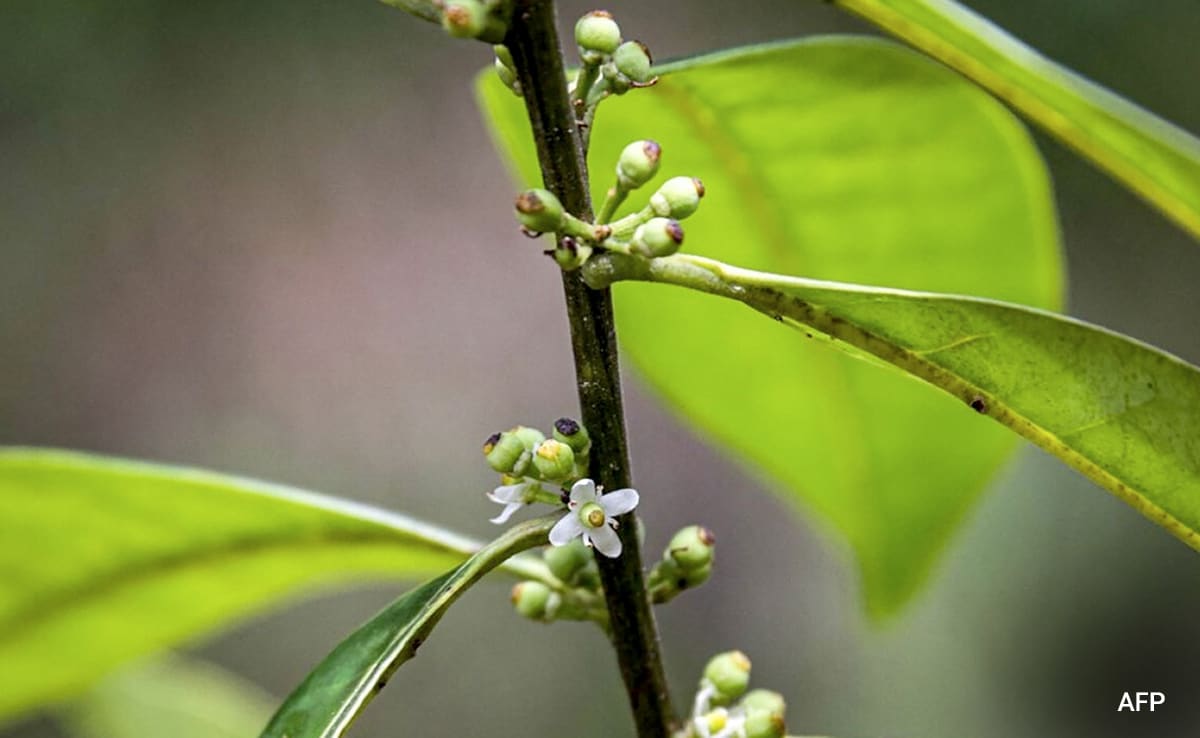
x=566 y=530
x=606 y=541
x=619 y=502
x=506 y=513
x=583 y=491
x=508 y=494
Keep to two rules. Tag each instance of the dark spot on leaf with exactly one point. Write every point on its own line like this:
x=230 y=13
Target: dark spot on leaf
x=978 y=404
x=681 y=583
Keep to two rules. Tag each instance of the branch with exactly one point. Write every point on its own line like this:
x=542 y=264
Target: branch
x=533 y=41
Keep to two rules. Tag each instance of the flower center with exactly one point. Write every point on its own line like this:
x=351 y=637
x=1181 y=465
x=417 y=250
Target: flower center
x=591 y=515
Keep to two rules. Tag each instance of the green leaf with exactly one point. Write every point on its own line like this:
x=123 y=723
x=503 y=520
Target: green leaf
x=1155 y=159
x=1124 y=414
x=196 y=699
x=103 y=560
x=334 y=693
x=846 y=159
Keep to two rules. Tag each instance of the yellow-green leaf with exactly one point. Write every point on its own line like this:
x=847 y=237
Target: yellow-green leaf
x=1155 y=159
x=103 y=560
x=840 y=158
x=1124 y=414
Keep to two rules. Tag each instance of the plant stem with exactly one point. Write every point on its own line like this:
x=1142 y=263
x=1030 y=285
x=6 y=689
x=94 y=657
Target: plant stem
x=533 y=41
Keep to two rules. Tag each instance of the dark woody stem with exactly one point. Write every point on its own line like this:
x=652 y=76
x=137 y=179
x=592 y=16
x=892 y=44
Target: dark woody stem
x=533 y=41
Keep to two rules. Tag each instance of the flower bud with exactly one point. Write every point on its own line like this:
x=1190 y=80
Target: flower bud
x=539 y=210
x=766 y=700
x=695 y=577
x=729 y=674
x=503 y=452
x=678 y=197
x=535 y=600
x=657 y=237
x=553 y=459
x=531 y=437
x=464 y=18
x=638 y=164
x=691 y=548
x=763 y=724
x=632 y=59
x=570 y=254
x=565 y=562
x=598 y=33
x=573 y=434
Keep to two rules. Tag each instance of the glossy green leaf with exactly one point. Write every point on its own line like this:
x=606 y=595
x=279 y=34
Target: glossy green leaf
x=196 y=699
x=1155 y=159
x=334 y=693
x=1124 y=414
x=847 y=159
x=103 y=560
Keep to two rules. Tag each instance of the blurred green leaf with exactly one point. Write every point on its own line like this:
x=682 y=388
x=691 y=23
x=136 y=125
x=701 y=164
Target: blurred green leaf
x=1150 y=156
x=103 y=560
x=195 y=698
x=1124 y=414
x=334 y=693
x=847 y=159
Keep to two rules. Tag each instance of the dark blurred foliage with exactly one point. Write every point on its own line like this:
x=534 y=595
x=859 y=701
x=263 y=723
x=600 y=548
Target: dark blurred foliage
x=270 y=237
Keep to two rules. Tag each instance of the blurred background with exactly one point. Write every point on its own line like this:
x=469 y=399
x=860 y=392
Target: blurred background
x=271 y=238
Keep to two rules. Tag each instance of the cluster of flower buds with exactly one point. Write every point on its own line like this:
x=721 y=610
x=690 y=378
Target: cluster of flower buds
x=526 y=452
x=610 y=64
x=686 y=563
x=573 y=593
x=652 y=232
x=481 y=19
x=724 y=709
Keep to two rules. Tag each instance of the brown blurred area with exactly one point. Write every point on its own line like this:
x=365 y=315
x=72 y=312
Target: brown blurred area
x=272 y=238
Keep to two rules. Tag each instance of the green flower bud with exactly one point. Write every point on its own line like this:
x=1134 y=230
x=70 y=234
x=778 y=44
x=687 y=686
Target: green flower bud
x=638 y=163
x=678 y=197
x=570 y=254
x=729 y=674
x=539 y=210
x=765 y=700
x=657 y=237
x=531 y=437
x=695 y=577
x=691 y=548
x=597 y=32
x=567 y=561
x=573 y=434
x=763 y=724
x=553 y=459
x=632 y=59
x=503 y=452
x=464 y=18
x=535 y=600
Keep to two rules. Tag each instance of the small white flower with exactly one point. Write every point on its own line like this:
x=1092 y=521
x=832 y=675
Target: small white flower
x=716 y=722
x=513 y=497
x=594 y=517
